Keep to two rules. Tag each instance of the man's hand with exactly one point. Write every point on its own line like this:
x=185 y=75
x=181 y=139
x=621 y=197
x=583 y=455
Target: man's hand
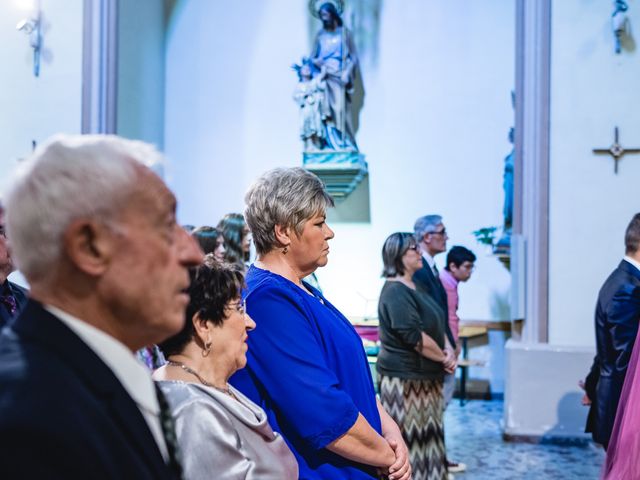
x=586 y=401
x=401 y=468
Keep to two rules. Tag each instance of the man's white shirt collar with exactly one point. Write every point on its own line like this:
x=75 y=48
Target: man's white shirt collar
x=132 y=374
x=429 y=259
x=632 y=261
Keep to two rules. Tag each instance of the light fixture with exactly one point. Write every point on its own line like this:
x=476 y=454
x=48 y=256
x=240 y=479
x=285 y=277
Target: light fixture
x=33 y=28
x=619 y=22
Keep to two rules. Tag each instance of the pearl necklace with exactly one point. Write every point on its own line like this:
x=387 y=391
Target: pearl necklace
x=197 y=375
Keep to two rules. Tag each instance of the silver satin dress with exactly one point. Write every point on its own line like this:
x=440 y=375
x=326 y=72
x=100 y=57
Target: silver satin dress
x=226 y=439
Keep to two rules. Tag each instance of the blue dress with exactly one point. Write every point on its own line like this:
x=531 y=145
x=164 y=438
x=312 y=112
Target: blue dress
x=308 y=370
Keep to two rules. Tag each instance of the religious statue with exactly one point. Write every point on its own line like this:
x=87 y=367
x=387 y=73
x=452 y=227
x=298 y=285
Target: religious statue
x=310 y=95
x=329 y=95
x=333 y=58
x=504 y=243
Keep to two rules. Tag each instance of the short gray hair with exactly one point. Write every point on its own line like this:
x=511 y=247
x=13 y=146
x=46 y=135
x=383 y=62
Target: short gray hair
x=69 y=177
x=283 y=196
x=426 y=224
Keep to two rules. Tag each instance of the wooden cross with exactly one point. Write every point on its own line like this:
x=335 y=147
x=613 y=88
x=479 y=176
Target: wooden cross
x=616 y=150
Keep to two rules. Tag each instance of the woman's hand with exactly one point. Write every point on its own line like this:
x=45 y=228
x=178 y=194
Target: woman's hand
x=450 y=361
x=401 y=468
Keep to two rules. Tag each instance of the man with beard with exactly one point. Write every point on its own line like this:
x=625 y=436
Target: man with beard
x=13 y=297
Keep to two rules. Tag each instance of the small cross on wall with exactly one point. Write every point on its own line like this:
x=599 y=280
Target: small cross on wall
x=616 y=150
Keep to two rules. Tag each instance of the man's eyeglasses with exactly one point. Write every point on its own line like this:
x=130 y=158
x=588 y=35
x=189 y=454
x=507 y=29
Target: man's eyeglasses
x=441 y=232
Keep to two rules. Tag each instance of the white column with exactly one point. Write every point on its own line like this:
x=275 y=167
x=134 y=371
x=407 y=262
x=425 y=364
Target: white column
x=99 y=66
x=531 y=175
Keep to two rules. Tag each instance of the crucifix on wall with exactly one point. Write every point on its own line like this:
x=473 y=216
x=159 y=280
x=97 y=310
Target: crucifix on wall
x=616 y=150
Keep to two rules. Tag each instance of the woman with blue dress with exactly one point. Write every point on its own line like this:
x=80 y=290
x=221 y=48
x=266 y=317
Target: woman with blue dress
x=306 y=364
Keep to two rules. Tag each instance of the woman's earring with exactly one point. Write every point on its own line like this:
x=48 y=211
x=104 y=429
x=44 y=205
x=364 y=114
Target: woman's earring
x=285 y=249
x=207 y=349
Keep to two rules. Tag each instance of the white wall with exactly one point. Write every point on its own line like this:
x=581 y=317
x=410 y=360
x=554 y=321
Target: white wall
x=434 y=125
x=592 y=90
x=229 y=112
x=141 y=55
x=35 y=108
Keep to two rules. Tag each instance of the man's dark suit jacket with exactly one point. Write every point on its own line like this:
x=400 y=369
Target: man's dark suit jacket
x=427 y=282
x=20 y=294
x=616 y=319
x=63 y=413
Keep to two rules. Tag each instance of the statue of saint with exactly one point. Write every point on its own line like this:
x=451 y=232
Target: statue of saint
x=334 y=56
x=504 y=243
x=507 y=210
x=310 y=94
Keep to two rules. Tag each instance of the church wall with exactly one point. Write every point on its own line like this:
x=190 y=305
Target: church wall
x=434 y=129
x=229 y=112
x=592 y=90
x=140 y=108
x=35 y=108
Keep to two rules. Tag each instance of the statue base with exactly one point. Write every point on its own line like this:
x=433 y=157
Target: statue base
x=502 y=249
x=341 y=171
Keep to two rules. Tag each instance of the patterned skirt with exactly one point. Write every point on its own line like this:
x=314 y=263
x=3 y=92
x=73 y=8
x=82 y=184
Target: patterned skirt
x=417 y=406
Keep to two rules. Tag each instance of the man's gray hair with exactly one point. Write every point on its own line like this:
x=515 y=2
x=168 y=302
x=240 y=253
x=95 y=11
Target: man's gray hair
x=426 y=224
x=284 y=196
x=67 y=178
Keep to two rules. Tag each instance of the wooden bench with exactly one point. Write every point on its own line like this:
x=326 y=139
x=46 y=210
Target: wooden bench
x=466 y=332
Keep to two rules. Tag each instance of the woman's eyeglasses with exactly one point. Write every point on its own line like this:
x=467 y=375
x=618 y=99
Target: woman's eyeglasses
x=240 y=307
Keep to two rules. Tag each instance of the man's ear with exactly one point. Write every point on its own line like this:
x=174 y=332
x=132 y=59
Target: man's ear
x=88 y=245
x=282 y=235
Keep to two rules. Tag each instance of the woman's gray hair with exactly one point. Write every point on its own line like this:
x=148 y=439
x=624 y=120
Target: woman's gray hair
x=394 y=248
x=69 y=177
x=426 y=224
x=284 y=196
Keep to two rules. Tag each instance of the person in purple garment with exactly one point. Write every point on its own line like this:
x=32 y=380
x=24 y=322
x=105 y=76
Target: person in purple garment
x=306 y=364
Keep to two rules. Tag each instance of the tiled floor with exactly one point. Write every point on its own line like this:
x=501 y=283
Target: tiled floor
x=474 y=436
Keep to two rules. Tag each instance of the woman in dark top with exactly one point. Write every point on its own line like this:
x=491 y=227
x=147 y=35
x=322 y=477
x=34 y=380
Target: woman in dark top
x=412 y=361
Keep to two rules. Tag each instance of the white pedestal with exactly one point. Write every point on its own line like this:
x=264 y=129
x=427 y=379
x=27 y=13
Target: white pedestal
x=542 y=397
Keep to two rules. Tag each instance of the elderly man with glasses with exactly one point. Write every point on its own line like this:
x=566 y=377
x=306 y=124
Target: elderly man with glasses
x=431 y=235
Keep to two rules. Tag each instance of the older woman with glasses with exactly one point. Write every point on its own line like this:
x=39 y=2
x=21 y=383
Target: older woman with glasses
x=306 y=366
x=221 y=433
x=412 y=361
